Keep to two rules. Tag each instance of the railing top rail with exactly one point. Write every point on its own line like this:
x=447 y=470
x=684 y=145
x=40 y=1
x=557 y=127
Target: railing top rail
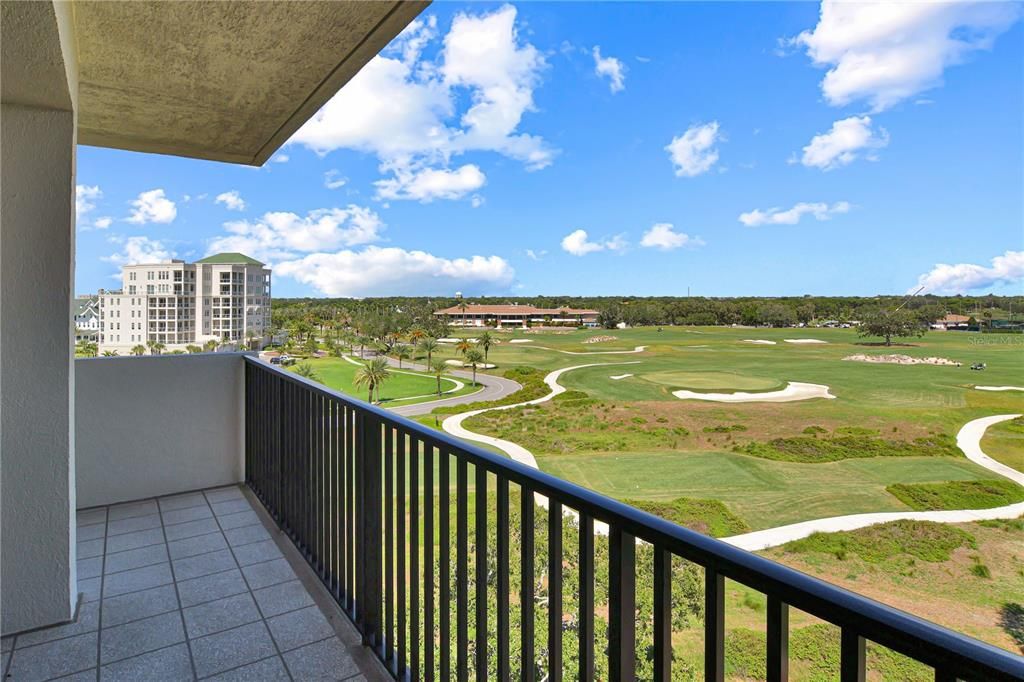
x=912 y=636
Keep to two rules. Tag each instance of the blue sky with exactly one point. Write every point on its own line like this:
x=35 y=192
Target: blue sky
x=588 y=148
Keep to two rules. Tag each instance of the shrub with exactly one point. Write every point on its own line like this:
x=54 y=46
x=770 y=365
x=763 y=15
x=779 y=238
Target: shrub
x=813 y=430
x=983 y=494
x=981 y=570
x=804 y=449
x=856 y=431
x=724 y=428
x=925 y=540
x=710 y=517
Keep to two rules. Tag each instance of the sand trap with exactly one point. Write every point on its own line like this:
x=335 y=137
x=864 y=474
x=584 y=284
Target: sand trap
x=600 y=339
x=620 y=376
x=897 y=359
x=448 y=340
x=521 y=341
x=1000 y=388
x=794 y=390
x=804 y=341
x=460 y=363
x=762 y=342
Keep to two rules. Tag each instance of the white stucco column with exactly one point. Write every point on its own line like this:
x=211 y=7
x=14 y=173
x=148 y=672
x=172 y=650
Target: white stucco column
x=37 y=261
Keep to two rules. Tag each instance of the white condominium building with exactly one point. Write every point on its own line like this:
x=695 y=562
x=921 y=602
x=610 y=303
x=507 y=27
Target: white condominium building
x=224 y=298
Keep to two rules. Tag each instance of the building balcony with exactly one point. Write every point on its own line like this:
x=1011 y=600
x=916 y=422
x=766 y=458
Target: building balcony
x=260 y=525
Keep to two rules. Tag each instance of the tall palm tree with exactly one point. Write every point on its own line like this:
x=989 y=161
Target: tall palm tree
x=485 y=342
x=438 y=368
x=402 y=353
x=462 y=307
x=416 y=335
x=474 y=358
x=372 y=375
x=463 y=346
x=210 y=346
x=138 y=350
x=429 y=346
x=150 y=344
x=157 y=348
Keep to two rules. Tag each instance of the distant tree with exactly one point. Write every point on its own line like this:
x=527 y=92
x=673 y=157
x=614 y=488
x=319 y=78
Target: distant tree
x=304 y=369
x=138 y=350
x=485 y=342
x=192 y=348
x=210 y=345
x=372 y=375
x=438 y=368
x=889 y=325
x=157 y=348
x=417 y=335
x=776 y=315
x=429 y=346
x=402 y=353
x=87 y=349
x=609 y=317
x=250 y=338
x=310 y=347
x=805 y=313
x=474 y=358
x=110 y=353
x=462 y=307
x=463 y=346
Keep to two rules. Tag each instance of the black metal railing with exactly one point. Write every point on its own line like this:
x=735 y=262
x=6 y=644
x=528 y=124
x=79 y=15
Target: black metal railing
x=367 y=497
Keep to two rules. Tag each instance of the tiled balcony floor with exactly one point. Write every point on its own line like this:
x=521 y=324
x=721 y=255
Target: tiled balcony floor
x=186 y=587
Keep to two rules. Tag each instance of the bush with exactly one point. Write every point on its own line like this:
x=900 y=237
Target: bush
x=981 y=570
x=710 y=517
x=925 y=540
x=811 y=450
x=814 y=430
x=724 y=428
x=983 y=494
x=856 y=431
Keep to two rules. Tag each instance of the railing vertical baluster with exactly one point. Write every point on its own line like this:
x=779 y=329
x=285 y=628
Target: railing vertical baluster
x=445 y=564
x=554 y=591
x=777 y=639
x=415 y=646
x=389 y=548
x=353 y=520
x=318 y=482
x=851 y=656
x=461 y=572
x=332 y=512
x=714 y=625
x=403 y=552
x=527 y=670
x=502 y=603
x=370 y=527
x=586 y=593
x=343 y=474
x=428 y=561
x=481 y=572
x=621 y=605
x=662 y=614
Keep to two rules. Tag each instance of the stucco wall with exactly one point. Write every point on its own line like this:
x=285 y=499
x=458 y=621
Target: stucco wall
x=156 y=425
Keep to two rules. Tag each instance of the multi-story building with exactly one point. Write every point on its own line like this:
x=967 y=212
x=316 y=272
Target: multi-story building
x=223 y=298
x=86 y=318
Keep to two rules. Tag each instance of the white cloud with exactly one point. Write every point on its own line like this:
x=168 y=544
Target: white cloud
x=476 y=201
x=415 y=114
x=136 y=250
x=431 y=183
x=376 y=271
x=578 y=243
x=848 y=139
x=885 y=52
x=85 y=197
x=610 y=68
x=152 y=207
x=536 y=255
x=663 y=236
x=333 y=179
x=232 y=200
x=283 y=235
x=102 y=223
x=280 y=158
x=964 y=277
x=694 y=152
x=791 y=216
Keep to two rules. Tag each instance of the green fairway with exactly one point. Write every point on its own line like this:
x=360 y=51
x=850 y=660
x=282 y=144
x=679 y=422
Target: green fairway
x=712 y=381
x=1004 y=442
x=404 y=387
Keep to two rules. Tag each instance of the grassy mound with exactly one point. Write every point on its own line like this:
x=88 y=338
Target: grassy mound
x=713 y=381
x=923 y=540
x=809 y=449
x=983 y=494
x=533 y=387
x=710 y=517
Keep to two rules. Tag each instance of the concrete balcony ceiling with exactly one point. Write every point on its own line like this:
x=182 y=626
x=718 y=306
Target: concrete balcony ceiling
x=227 y=81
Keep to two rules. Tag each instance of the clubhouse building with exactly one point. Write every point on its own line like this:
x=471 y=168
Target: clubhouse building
x=515 y=315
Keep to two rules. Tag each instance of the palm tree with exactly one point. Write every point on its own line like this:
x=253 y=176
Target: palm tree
x=485 y=342
x=157 y=348
x=210 y=346
x=87 y=349
x=429 y=346
x=402 y=353
x=193 y=348
x=438 y=368
x=462 y=307
x=110 y=353
x=474 y=358
x=372 y=375
x=138 y=350
x=416 y=335
x=250 y=338
x=463 y=346
x=150 y=344
x=304 y=369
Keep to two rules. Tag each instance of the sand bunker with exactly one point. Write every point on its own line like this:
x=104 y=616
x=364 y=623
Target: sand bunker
x=520 y=340
x=897 y=359
x=620 y=376
x=763 y=342
x=794 y=390
x=600 y=339
x=804 y=341
x=448 y=340
x=1000 y=388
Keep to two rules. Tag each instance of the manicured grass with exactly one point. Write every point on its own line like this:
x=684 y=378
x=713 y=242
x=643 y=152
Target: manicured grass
x=958 y=494
x=710 y=517
x=339 y=374
x=1004 y=442
x=712 y=381
x=923 y=540
x=804 y=449
x=764 y=493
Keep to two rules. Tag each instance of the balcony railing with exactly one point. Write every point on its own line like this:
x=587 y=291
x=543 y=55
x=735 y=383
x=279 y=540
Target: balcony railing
x=357 y=489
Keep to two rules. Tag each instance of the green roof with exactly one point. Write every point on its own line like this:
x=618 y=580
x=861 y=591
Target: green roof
x=232 y=258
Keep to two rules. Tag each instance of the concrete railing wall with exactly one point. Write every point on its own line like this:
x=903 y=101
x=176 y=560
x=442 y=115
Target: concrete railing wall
x=157 y=425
